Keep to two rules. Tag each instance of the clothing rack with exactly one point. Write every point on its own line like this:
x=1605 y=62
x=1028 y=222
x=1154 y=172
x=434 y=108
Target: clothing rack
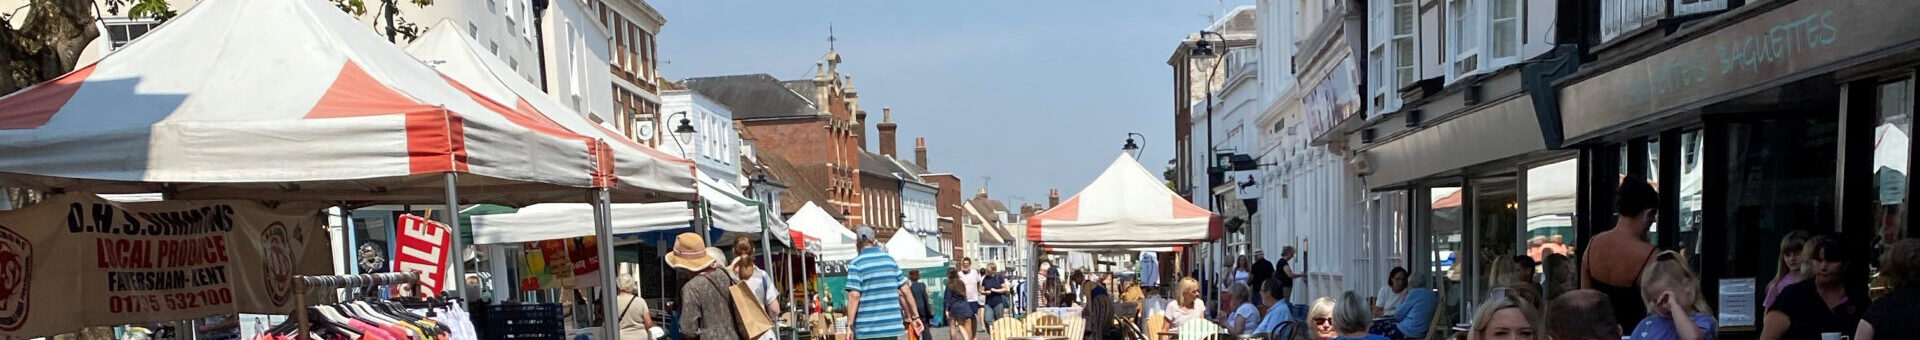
x=307 y=284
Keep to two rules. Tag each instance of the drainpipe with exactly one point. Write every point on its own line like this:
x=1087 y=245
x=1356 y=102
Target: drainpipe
x=540 y=39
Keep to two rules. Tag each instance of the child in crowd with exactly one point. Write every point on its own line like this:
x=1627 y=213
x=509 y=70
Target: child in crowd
x=1787 y=272
x=1678 y=312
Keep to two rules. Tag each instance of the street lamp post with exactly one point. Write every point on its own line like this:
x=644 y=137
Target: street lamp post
x=682 y=133
x=1132 y=149
x=1203 y=49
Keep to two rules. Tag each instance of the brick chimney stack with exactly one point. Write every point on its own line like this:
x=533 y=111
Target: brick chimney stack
x=1053 y=198
x=887 y=131
x=920 y=153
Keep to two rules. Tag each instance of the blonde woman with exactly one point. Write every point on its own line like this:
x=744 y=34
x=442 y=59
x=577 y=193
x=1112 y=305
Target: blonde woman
x=1188 y=307
x=1320 y=319
x=1507 y=317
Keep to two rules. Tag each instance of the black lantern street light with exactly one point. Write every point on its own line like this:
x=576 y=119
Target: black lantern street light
x=1135 y=149
x=685 y=131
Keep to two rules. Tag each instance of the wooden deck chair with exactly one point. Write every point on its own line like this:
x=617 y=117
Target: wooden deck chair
x=1132 y=331
x=1035 y=317
x=1077 y=329
x=1199 y=330
x=1006 y=328
x=1048 y=325
x=1156 y=325
x=1436 y=329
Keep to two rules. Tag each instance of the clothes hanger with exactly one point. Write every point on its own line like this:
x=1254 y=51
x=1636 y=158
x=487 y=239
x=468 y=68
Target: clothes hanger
x=330 y=318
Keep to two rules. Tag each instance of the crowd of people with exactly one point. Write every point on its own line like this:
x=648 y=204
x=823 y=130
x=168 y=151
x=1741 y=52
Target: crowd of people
x=1624 y=287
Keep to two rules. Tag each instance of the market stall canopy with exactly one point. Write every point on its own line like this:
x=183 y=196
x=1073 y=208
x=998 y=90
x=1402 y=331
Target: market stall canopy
x=284 y=100
x=912 y=253
x=835 y=242
x=566 y=220
x=561 y=221
x=1127 y=207
x=637 y=168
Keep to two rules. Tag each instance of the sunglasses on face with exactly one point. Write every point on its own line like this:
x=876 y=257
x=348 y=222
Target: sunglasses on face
x=1322 y=321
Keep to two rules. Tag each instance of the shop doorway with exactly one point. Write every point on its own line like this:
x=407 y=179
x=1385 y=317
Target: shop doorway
x=1495 y=235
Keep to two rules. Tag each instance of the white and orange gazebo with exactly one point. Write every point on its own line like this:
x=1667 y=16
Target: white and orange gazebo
x=295 y=101
x=1127 y=208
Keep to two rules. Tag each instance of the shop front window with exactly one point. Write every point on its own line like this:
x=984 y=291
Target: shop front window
x=1691 y=211
x=1890 y=151
x=1779 y=176
x=1449 y=270
x=1550 y=228
x=1653 y=178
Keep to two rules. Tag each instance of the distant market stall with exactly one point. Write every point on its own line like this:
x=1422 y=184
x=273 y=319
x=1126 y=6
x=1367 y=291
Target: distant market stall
x=1125 y=209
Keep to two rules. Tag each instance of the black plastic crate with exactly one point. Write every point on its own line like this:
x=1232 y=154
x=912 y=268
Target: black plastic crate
x=523 y=322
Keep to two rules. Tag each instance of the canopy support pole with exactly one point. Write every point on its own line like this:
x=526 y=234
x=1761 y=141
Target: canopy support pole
x=603 y=241
x=459 y=251
x=793 y=299
x=1033 y=277
x=766 y=254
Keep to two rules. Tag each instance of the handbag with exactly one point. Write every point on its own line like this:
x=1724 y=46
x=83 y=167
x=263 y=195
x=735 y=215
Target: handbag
x=746 y=307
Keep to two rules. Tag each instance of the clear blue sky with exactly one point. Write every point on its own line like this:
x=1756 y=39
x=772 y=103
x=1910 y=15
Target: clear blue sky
x=1035 y=94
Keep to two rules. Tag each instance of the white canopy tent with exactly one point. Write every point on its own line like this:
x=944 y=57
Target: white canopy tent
x=567 y=220
x=460 y=58
x=835 y=241
x=912 y=253
x=1126 y=208
x=561 y=221
x=294 y=100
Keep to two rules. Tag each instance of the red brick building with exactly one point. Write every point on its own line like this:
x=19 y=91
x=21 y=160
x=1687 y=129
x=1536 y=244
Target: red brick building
x=947 y=201
x=812 y=123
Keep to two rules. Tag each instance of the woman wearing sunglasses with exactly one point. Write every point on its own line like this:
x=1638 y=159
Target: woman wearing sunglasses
x=1320 y=319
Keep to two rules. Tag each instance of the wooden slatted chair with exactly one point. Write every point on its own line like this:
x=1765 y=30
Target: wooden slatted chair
x=1077 y=329
x=1035 y=317
x=1006 y=328
x=1199 y=330
x=1156 y=324
x=1132 y=331
x=1048 y=325
x=1436 y=329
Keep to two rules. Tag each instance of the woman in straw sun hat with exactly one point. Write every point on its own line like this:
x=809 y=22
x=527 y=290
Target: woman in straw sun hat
x=704 y=307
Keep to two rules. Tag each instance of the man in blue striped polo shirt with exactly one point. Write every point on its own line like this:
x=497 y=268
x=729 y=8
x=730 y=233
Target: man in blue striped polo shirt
x=874 y=288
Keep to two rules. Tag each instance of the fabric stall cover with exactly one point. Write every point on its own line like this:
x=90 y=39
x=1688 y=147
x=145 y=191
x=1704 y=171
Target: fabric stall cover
x=835 y=242
x=285 y=100
x=911 y=253
x=1126 y=208
x=559 y=221
x=567 y=220
x=640 y=168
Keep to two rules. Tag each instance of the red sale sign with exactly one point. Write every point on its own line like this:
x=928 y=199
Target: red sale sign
x=422 y=248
